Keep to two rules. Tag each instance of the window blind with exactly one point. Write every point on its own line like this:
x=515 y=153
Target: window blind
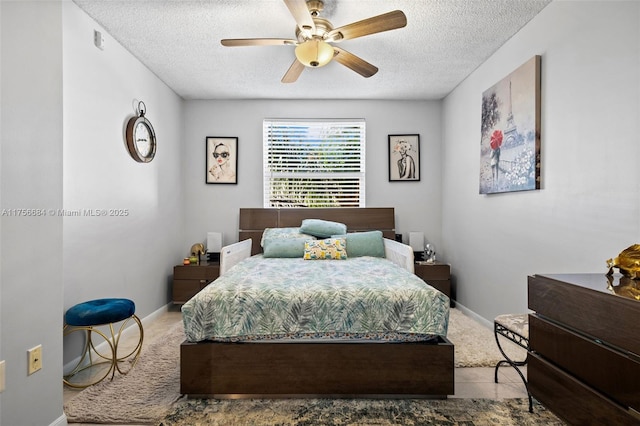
x=314 y=163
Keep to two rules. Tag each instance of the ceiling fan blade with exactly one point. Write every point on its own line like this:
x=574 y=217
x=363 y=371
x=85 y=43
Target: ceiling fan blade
x=352 y=61
x=293 y=72
x=377 y=24
x=300 y=12
x=233 y=42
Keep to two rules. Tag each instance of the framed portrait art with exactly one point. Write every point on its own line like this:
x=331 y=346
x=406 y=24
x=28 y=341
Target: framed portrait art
x=404 y=158
x=222 y=159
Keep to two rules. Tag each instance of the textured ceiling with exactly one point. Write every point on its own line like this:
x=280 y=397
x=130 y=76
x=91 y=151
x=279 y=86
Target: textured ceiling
x=179 y=41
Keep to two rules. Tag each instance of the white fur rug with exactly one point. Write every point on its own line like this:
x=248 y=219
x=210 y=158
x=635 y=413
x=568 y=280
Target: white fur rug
x=143 y=396
x=475 y=344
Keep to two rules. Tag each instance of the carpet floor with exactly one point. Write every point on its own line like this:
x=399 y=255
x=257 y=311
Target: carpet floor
x=148 y=393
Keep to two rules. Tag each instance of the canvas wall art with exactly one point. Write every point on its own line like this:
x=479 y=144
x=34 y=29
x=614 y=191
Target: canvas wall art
x=510 y=133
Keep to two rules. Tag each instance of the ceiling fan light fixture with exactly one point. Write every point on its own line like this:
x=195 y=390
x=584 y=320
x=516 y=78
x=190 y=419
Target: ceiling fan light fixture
x=314 y=53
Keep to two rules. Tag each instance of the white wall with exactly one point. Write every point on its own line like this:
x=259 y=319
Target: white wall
x=215 y=207
x=64 y=106
x=133 y=255
x=1 y=138
x=31 y=178
x=588 y=209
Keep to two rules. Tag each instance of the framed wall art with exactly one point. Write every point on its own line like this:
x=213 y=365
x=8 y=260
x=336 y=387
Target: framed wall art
x=222 y=159
x=404 y=158
x=510 y=132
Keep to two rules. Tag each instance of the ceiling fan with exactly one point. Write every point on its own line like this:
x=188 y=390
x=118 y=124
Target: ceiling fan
x=314 y=35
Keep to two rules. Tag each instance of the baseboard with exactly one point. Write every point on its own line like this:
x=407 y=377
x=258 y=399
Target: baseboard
x=149 y=318
x=468 y=312
x=60 y=421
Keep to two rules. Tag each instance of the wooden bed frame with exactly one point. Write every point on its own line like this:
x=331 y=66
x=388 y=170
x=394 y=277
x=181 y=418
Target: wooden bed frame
x=303 y=369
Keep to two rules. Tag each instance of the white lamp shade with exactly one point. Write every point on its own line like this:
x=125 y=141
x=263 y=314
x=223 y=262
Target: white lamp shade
x=214 y=242
x=416 y=241
x=314 y=53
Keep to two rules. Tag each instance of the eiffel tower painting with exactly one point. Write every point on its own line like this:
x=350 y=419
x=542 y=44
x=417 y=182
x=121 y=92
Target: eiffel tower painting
x=510 y=140
x=510 y=132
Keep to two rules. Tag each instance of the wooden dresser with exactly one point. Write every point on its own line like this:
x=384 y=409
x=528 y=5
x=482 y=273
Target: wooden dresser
x=190 y=279
x=584 y=338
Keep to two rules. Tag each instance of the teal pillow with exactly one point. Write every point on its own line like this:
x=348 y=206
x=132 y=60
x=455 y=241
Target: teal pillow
x=322 y=228
x=370 y=243
x=284 y=247
x=283 y=233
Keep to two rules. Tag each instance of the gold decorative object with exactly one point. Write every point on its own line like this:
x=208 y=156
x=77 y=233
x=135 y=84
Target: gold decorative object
x=197 y=249
x=626 y=287
x=628 y=262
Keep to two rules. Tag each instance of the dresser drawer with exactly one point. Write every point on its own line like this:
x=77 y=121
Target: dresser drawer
x=612 y=372
x=570 y=399
x=595 y=313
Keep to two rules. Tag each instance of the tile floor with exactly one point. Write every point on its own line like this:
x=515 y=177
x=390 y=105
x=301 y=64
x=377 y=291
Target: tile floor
x=469 y=382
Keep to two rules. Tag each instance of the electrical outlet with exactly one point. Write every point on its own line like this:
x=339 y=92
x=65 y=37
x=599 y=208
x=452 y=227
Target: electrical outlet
x=2 y=376
x=34 y=359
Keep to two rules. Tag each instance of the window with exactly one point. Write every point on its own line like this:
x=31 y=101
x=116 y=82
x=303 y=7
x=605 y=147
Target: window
x=314 y=163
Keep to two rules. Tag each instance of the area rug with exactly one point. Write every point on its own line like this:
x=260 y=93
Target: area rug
x=475 y=345
x=146 y=394
x=387 y=412
x=143 y=396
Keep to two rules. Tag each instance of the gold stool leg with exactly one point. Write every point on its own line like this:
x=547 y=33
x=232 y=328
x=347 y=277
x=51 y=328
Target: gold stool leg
x=135 y=352
x=110 y=357
x=86 y=360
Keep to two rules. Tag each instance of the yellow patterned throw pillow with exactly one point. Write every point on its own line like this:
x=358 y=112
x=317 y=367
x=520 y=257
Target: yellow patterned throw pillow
x=330 y=248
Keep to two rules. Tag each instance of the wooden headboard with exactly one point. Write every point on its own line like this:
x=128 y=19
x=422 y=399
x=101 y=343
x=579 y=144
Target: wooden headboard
x=253 y=221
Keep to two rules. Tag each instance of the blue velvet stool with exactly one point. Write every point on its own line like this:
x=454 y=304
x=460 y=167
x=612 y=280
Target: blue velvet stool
x=89 y=317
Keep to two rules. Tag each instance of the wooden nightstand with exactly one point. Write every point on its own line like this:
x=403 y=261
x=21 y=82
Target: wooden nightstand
x=190 y=279
x=437 y=275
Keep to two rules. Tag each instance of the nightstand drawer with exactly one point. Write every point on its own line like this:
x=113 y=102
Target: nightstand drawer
x=188 y=280
x=433 y=271
x=196 y=272
x=437 y=275
x=441 y=285
x=184 y=290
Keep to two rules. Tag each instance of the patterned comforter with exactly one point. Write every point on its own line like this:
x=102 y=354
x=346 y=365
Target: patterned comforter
x=358 y=298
